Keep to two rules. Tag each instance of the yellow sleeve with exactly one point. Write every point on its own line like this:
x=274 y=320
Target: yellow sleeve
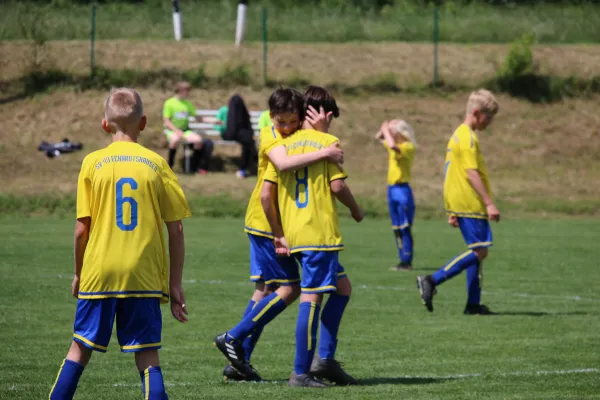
x=269 y=139
x=469 y=150
x=335 y=172
x=84 y=190
x=271 y=173
x=167 y=111
x=173 y=204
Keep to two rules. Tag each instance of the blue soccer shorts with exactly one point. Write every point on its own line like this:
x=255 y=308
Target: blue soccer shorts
x=268 y=267
x=476 y=232
x=320 y=271
x=139 y=323
x=401 y=205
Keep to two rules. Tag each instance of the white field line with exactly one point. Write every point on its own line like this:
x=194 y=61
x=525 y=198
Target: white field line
x=407 y=377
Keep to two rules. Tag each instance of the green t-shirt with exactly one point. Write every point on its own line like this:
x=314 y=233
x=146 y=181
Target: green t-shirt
x=222 y=116
x=264 y=120
x=178 y=111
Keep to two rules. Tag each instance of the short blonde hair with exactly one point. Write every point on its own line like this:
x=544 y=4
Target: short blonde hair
x=484 y=101
x=123 y=109
x=402 y=128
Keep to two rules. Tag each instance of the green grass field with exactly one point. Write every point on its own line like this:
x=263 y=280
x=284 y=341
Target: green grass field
x=542 y=277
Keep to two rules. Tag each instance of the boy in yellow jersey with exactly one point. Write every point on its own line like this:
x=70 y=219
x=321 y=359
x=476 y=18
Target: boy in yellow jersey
x=398 y=138
x=468 y=202
x=307 y=208
x=276 y=278
x=124 y=194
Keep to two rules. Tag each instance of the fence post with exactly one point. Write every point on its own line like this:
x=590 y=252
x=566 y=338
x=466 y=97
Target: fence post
x=92 y=42
x=176 y=20
x=264 y=20
x=436 y=38
x=240 y=25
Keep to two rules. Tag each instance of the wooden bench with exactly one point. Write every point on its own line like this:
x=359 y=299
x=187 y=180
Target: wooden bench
x=207 y=129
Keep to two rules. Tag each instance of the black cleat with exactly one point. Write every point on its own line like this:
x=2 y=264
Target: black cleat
x=232 y=374
x=427 y=290
x=331 y=370
x=232 y=350
x=305 y=380
x=478 y=309
x=402 y=267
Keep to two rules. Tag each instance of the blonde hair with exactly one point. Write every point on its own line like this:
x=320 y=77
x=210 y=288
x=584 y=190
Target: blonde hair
x=123 y=109
x=484 y=101
x=402 y=128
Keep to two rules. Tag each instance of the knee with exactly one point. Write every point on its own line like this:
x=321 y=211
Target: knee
x=260 y=291
x=174 y=141
x=481 y=253
x=344 y=287
x=289 y=294
x=79 y=353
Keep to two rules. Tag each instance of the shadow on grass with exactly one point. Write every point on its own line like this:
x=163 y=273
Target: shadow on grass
x=540 y=313
x=402 y=380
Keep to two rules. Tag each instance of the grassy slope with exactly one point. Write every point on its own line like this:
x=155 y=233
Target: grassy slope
x=537 y=276
x=410 y=63
x=542 y=158
x=409 y=22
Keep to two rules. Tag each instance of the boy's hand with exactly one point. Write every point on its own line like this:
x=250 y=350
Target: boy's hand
x=493 y=213
x=178 y=308
x=453 y=221
x=75 y=287
x=281 y=246
x=335 y=154
x=319 y=119
x=358 y=214
x=179 y=133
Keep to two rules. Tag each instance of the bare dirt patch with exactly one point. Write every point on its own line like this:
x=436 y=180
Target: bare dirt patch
x=536 y=153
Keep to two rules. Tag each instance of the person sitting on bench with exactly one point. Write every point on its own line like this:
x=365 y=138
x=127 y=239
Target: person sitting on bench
x=235 y=125
x=176 y=113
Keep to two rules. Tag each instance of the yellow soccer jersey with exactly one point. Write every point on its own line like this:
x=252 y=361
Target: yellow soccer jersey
x=307 y=206
x=463 y=153
x=127 y=191
x=400 y=163
x=256 y=222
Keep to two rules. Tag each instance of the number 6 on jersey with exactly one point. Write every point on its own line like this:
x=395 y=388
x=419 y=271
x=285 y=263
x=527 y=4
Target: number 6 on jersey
x=132 y=204
x=302 y=187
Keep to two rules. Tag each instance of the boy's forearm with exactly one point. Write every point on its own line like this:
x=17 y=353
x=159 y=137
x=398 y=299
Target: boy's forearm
x=169 y=124
x=477 y=183
x=176 y=254
x=345 y=196
x=81 y=237
x=268 y=200
x=389 y=140
x=284 y=162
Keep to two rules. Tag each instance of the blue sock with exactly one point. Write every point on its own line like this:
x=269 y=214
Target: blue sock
x=473 y=287
x=153 y=386
x=406 y=253
x=250 y=341
x=330 y=324
x=262 y=313
x=306 y=336
x=249 y=307
x=66 y=381
x=455 y=267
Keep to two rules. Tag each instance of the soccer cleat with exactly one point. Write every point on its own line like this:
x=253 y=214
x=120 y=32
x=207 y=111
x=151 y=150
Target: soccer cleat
x=427 y=290
x=233 y=350
x=232 y=374
x=305 y=380
x=402 y=267
x=478 y=309
x=331 y=370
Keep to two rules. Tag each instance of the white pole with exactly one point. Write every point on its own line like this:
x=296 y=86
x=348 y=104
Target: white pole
x=176 y=20
x=240 y=26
